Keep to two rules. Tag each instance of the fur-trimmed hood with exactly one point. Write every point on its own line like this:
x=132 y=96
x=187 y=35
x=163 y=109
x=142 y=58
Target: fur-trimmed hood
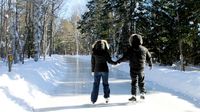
x=135 y=40
x=100 y=45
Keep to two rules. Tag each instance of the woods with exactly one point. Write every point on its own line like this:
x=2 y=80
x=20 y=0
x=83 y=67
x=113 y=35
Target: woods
x=170 y=29
x=27 y=28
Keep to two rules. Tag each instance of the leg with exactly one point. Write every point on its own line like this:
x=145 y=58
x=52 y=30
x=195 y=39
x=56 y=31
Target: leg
x=141 y=82
x=95 y=91
x=106 y=88
x=133 y=86
x=133 y=83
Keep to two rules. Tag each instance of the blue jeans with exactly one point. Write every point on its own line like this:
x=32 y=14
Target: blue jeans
x=97 y=79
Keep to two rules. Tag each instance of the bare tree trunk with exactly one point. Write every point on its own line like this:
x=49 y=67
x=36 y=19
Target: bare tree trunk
x=50 y=28
x=1 y=26
x=37 y=27
x=44 y=39
x=3 y=29
x=27 y=27
x=182 y=66
x=180 y=44
x=55 y=4
x=17 y=44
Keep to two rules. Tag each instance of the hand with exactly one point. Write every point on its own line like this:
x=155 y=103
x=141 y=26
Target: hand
x=113 y=66
x=118 y=61
x=150 y=67
x=115 y=63
x=92 y=73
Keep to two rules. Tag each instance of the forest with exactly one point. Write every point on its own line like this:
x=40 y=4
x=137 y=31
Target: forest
x=170 y=28
x=33 y=28
x=28 y=28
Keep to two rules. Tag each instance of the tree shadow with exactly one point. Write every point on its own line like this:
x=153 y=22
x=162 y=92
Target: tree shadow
x=153 y=87
x=17 y=100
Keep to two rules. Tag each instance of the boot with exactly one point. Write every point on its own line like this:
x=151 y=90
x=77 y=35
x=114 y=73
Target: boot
x=142 y=96
x=107 y=100
x=133 y=98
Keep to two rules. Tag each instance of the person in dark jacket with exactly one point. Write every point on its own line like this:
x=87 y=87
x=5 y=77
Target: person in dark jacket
x=100 y=57
x=137 y=55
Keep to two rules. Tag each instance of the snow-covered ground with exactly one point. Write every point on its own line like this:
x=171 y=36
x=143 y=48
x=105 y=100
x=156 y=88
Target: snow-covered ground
x=63 y=83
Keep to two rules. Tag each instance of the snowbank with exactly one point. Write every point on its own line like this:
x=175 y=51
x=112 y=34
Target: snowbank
x=21 y=88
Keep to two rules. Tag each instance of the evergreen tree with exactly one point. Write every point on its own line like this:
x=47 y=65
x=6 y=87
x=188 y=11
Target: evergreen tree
x=167 y=26
x=169 y=23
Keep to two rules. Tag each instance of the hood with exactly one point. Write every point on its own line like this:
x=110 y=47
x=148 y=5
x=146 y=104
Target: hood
x=135 y=40
x=100 y=45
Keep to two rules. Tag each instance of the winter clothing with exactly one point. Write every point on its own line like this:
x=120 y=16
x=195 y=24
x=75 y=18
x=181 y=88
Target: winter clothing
x=99 y=59
x=137 y=55
x=100 y=56
x=95 y=90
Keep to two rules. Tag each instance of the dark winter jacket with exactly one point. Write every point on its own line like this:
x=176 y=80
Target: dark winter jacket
x=137 y=55
x=100 y=57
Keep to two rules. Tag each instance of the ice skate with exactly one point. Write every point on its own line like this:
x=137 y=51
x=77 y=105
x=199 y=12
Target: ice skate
x=142 y=96
x=107 y=100
x=133 y=98
x=92 y=102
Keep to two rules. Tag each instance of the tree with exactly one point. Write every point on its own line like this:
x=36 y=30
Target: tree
x=170 y=23
x=167 y=26
x=22 y=25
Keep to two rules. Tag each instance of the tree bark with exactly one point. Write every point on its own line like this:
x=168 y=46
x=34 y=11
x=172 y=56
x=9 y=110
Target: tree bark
x=182 y=66
x=37 y=28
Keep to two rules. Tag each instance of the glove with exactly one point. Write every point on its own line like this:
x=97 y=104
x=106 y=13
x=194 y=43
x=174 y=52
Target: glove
x=92 y=73
x=150 y=67
x=113 y=66
x=118 y=61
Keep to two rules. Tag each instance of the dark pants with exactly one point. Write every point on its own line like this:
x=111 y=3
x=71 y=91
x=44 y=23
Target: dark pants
x=97 y=79
x=137 y=78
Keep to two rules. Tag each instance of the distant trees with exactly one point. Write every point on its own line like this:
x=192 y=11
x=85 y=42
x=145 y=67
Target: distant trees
x=66 y=43
x=170 y=28
x=69 y=40
x=27 y=27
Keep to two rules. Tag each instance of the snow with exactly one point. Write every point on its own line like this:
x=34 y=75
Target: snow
x=63 y=83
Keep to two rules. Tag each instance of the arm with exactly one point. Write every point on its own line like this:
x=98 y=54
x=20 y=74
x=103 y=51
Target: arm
x=92 y=63
x=125 y=57
x=149 y=59
x=109 y=59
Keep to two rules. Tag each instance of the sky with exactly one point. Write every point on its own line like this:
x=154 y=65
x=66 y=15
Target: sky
x=64 y=83
x=72 y=6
